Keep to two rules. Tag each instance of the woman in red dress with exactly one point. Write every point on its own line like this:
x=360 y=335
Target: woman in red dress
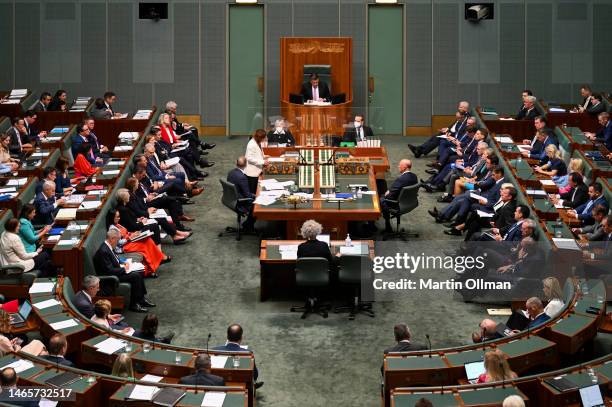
x=152 y=254
x=82 y=166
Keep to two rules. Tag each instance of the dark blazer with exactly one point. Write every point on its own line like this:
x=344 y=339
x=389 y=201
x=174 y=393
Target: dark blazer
x=83 y=304
x=512 y=233
x=39 y=107
x=587 y=218
x=15 y=135
x=154 y=171
x=539 y=320
x=323 y=91
x=76 y=144
x=128 y=218
x=350 y=135
x=527 y=114
x=576 y=196
x=106 y=262
x=286 y=138
x=232 y=347
x=45 y=211
x=406 y=347
x=203 y=379
x=492 y=194
x=315 y=248
x=137 y=205
x=605 y=135
x=404 y=180
x=596 y=109
x=101 y=113
x=58 y=360
x=504 y=218
x=239 y=179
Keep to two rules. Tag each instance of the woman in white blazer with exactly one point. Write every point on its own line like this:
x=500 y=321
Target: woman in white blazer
x=13 y=251
x=256 y=160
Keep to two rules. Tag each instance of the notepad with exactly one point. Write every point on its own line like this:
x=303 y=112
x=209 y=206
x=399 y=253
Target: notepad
x=47 y=304
x=110 y=172
x=90 y=204
x=172 y=161
x=41 y=288
x=151 y=378
x=565 y=243
x=213 y=399
x=478 y=197
x=20 y=365
x=66 y=214
x=218 y=362
x=141 y=392
x=484 y=214
x=16 y=182
x=110 y=346
x=504 y=139
x=54 y=238
x=547 y=182
x=68 y=323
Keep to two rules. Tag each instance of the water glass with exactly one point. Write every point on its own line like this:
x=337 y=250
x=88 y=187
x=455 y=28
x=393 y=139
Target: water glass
x=592 y=374
x=558 y=234
x=177 y=357
x=128 y=346
x=359 y=193
x=146 y=347
x=90 y=379
x=236 y=362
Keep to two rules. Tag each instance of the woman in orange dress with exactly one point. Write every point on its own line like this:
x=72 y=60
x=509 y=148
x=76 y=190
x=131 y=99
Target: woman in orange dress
x=152 y=255
x=82 y=167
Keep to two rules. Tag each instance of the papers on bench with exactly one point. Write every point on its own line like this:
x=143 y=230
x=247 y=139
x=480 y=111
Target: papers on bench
x=123 y=148
x=128 y=135
x=53 y=238
x=97 y=192
x=548 y=182
x=499 y=311
x=144 y=393
x=504 y=139
x=556 y=110
x=109 y=346
x=39 y=154
x=478 y=197
x=75 y=226
x=47 y=304
x=74 y=198
x=536 y=192
x=151 y=378
x=523 y=147
x=142 y=114
x=172 y=161
x=20 y=365
x=266 y=200
x=18 y=93
x=565 y=243
x=218 y=362
x=506 y=118
x=115 y=162
x=66 y=214
x=17 y=182
x=63 y=324
x=484 y=214
x=90 y=204
x=7 y=190
x=110 y=172
x=355 y=249
x=41 y=288
x=272 y=184
x=68 y=242
x=288 y=251
x=213 y=399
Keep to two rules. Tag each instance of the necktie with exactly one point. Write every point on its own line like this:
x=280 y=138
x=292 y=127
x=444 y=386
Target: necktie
x=19 y=139
x=361 y=133
x=315 y=93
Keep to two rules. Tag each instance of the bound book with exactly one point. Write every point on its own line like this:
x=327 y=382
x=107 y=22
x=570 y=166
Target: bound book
x=63 y=379
x=168 y=397
x=561 y=383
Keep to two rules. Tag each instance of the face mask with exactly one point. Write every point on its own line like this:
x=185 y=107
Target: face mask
x=357 y=124
x=279 y=129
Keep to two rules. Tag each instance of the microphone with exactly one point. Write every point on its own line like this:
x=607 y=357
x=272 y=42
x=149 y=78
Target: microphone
x=207 y=341
x=429 y=344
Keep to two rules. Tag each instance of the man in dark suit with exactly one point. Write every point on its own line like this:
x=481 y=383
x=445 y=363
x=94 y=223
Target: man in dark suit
x=538 y=150
x=202 y=375
x=535 y=309
x=99 y=150
x=237 y=177
x=17 y=133
x=576 y=196
x=107 y=263
x=81 y=137
x=529 y=112
x=587 y=98
x=405 y=179
x=597 y=105
x=46 y=204
x=540 y=123
x=357 y=132
x=402 y=337
x=315 y=89
x=32 y=135
x=523 y=109
x=503 y=213
x=233 y=344
x=8 y=380
x=605 y=133
x=584 y=211
x=83 y=300
x=43 y=102
x=594 y=232
x=58 y=346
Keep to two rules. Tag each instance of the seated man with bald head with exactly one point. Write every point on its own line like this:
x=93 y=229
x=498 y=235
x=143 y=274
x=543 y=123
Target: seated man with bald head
x=487 y=331
x=405 y=179
x=237 y=177
x=202 y=375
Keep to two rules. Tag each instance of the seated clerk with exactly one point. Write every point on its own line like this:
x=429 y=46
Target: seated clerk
x=47 y=205
x=584 y=211
x=149 y=199
x=233 y=344
x=358 y=132
x=202 y=375
x=576 y=196
x=540 y=124
x=107 y=263
x=552 y=165
x=82 y=166
x=504 y=211
x=538 y=150
x=237 y=177
x=58 y=346
x=313 y=247
x=82 y=137
x=490 y=193
x=315 y=89
x=434 y=141
x=405 y=179
x=604 y=134
x=280 y=134
x=139 y=208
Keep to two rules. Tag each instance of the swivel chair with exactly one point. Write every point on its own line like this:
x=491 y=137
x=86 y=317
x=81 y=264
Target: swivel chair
x=407 y=201
x=231 y=200
x=312 y=274
x=352 y=271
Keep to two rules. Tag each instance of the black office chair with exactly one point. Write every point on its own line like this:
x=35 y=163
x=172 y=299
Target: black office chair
x=353 y=270
x=312 y=273
x=230 y=199
x=407 y=201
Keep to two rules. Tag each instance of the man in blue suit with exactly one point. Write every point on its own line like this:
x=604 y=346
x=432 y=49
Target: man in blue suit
x=543 y=140
x=46 y=204
x=535 y=309
x=405 y=179
x=234 y=338
x=584 y=211
x=237 y=177
x=58 y=346
x=604 y=134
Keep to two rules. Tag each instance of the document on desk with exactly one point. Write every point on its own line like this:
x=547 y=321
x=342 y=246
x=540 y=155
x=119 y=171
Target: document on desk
x=85 y=205
x=97 y=192
x=289 y=255
x=477 y=197
x=66 y=214
x=213 y=399
x=7 y=190
x=218 y=362
x=17 y=182
x=68 y=323
x=537 y=192
x=274 y=187
x=565 y=243
x=355 y=250
x=265 y=200
x=504 y=139
x=151 y=378
x=277 y=193
x=506 y=118
x=141 y=392
x=115 y=162
x=548 y=182
x=172 y=161
x=53 y=238
x=109 y=346
x=41 y=288
x=484 y=214
x=20 y=366
x=46 y=304
x=524 y=147
x=276 y=159
x=110 y=172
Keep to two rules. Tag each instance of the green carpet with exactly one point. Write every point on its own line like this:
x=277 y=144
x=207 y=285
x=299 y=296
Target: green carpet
x=213 y=282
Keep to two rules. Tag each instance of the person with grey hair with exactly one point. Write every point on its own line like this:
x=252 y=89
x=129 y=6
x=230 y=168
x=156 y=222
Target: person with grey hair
x=535 y=309
x=604 y=134
x=83 y=300
x=189 y=130
x=313 y=247
x=528 y=112
x=46 y=204
x=202 y=375
x=107 y=263
x=280 y=134
x=513 y=401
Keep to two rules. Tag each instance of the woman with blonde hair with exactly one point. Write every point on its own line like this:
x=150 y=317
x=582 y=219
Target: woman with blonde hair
x=553 y=164
x=123 y=366
x=554 y=295
x=496 y=368
x=12 y=343
x=575 y=165
x=102 y=316
x=5 y=154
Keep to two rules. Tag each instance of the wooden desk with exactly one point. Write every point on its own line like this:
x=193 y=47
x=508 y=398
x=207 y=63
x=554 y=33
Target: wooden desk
x=15 y=203
x=233 y=398
x=312 y=123
x=16 y=109
x=36 y=161
x=107 y=130
x=334 y=220
x=48 y=120
x=517 y=129
x=585 y=121
x=278 y=275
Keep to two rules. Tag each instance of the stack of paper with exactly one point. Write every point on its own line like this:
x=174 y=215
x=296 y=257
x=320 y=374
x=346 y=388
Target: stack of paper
x=159 y=214
x=20 y=366
x=128 y=135
x=213 y=399
x=504 y=139
x=47 y=303
x=17 y=182
x=111 y=172
x=115 y=162
x=97 y=192
x=41 y=288
x=288 y=251
x=18 y=93
x=63 y=324
x=142 y=114
x=144 y=393
x=74 y=199
x=39 y=154
x=564 y=243
x=66 y=214
x=172 y=161
x=265 y=200
x=88 y=205
x=548 y=182
x=109 y=346
x=151 y=378
x=123 y=148
x=218 y=362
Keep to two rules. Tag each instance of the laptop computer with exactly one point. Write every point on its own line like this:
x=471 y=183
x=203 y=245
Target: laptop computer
x=591 y=396
x=19 y=318
x=473 y=370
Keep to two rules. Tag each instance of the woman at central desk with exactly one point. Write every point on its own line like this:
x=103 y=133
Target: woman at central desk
x=280 y=134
